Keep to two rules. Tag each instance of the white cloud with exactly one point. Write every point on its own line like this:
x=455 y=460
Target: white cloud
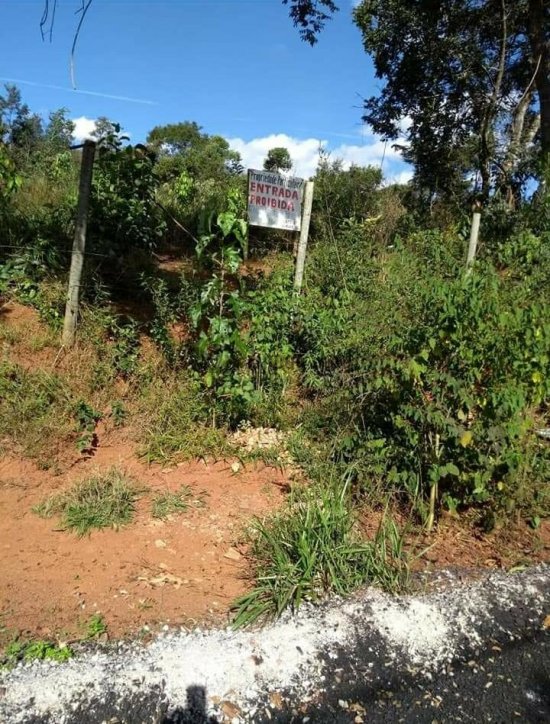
x=83 y=128
x=305 y=154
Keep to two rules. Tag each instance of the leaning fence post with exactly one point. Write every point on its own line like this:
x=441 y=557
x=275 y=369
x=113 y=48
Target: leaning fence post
x=79 y=244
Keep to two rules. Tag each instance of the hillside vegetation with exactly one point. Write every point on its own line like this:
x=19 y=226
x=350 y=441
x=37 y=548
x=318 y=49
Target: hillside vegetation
x=399 y=380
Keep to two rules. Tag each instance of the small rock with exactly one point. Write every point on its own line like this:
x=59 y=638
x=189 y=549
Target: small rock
x=160 y=543
x=235 y=467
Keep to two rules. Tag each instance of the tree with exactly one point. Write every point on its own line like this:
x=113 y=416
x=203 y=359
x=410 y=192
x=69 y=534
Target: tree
x=310 y=16
x=278 y=159
x=183 y=147
x=462 y=73
x=19 y=128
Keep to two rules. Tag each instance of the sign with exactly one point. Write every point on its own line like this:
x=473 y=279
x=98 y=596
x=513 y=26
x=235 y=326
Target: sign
x=274 y=200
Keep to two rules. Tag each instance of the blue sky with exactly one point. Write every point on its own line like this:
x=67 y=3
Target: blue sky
x=237 y=67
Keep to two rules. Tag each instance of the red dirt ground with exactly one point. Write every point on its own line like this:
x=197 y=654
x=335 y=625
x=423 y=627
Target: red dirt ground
x=181 y=571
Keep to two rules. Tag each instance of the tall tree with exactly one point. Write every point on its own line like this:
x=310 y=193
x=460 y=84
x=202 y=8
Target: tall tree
x=278 y=159
x=184 y=147
x=462 y=73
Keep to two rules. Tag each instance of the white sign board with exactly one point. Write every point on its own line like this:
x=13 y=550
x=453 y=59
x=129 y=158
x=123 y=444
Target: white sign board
x=274 y=200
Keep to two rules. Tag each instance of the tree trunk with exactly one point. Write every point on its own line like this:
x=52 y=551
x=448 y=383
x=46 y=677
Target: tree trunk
x=539 y=38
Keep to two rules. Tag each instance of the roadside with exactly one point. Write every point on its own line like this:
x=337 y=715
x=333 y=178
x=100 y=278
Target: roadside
x=296 y=667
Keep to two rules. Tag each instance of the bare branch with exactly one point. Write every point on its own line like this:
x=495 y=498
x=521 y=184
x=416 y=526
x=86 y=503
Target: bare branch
x=82 y=10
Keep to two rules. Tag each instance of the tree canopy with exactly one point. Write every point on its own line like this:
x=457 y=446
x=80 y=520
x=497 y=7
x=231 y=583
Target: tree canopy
x=184 y=147
x=463 y=75
x=278 y=159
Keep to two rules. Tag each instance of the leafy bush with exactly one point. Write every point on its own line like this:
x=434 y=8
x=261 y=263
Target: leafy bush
x=123 y=214
x=431 y=380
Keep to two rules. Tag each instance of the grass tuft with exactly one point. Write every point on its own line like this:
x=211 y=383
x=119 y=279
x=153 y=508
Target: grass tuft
x=311 y=548
x=104 y=500
x=169 y=503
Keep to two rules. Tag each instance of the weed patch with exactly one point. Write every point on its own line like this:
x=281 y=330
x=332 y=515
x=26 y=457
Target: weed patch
x=311 y=549
x=96 y=626
x=174 y=425
x=35 y=411
x=103 y=500
x=169 y=503
x=38 y=650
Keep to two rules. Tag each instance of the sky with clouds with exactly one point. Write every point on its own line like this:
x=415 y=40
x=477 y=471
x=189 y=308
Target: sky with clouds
x=236 y=67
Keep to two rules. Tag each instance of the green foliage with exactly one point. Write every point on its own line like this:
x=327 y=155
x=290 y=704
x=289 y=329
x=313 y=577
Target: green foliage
x=87 y=419
x=342 y=195
x=183 y=148
x=221 y=344
x=430 y=379
x=96 y=626
x=165 y=314
x=278 y=159
x=35 y=650
x=103 y=500
x=431 y=58
x=123 y=213
x=312 y=548
x=35 y=411
x=174 y=424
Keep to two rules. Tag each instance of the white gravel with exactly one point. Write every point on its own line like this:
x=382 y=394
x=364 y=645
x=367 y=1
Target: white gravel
x=292 y=655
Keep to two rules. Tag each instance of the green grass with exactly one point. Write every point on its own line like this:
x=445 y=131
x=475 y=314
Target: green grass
x=103 y=500
x=35 y=411
x=168 y=503
x=312 y=548
x=34 y=650
x=174 y=426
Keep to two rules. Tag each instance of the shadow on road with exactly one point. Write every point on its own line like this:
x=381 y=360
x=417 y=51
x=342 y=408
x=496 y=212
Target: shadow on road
x=195 y=709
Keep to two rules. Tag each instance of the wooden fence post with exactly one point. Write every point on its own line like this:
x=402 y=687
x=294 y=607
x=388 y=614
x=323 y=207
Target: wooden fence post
x=304 y=233
x=79 y=244
x=474 y=236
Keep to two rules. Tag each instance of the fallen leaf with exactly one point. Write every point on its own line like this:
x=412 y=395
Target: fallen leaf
x=229 y=709
x=276 y=700
x=160 y=543
x=233 y=554
x=546 y=622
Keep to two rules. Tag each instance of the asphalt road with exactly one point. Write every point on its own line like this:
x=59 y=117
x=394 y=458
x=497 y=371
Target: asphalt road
x=504 y=684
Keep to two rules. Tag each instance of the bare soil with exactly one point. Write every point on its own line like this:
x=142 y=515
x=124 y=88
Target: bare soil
x=181 y=571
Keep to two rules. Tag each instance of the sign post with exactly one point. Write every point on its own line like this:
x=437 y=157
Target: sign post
x=275 y=202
